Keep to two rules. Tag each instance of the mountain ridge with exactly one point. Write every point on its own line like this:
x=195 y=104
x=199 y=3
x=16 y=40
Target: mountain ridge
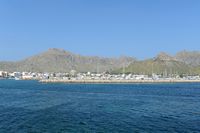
x=59 y=60
x=184 y=62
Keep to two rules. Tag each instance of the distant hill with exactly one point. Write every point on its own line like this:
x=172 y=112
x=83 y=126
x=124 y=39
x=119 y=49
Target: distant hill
x=162 y=64
x=189 y=57
x=58 y=60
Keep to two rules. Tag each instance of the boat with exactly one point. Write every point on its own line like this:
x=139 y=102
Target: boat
x=16 y=78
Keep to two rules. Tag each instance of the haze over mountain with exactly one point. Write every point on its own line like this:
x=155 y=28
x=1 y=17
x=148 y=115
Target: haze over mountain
x=58 y=60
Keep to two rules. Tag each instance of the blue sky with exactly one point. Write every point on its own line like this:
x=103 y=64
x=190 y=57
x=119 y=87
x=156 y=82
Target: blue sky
x=109 y=28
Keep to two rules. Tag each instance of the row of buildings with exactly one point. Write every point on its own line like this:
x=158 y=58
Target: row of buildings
x=73 y=75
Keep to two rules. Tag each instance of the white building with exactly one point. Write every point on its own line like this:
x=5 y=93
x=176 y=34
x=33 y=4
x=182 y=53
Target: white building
x=3 y=74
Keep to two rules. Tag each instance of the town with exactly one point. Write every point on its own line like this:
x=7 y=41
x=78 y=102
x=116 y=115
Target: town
x=105 y=77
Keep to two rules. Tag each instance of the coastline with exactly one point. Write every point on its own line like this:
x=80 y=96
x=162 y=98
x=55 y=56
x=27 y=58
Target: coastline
x=116 y=81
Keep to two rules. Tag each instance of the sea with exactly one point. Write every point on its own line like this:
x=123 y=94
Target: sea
x=33 y=107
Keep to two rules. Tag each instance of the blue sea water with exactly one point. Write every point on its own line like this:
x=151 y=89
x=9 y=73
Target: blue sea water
x=33 y=107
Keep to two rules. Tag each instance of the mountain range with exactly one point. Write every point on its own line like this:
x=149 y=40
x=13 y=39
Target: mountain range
x=184 y=62
x=58 y=60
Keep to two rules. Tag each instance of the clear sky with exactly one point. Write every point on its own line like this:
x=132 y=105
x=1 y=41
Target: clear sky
x=110 y=28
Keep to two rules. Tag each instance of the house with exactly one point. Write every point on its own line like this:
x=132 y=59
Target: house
x=3 y=74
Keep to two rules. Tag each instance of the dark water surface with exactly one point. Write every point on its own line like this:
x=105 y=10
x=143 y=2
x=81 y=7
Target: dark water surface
x=29 y=106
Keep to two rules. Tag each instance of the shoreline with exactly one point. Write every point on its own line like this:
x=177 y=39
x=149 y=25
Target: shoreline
x=115 y=81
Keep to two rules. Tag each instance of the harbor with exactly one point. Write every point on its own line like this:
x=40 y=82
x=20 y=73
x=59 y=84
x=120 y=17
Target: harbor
x=75 y=77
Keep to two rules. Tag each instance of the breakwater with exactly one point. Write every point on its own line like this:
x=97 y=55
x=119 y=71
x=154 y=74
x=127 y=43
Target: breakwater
x=117 y=81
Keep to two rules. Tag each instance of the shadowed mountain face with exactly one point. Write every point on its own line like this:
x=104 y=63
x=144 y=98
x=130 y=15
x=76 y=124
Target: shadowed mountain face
x=56 y=60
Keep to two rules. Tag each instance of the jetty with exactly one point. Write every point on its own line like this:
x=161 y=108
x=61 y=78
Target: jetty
x=115 y=81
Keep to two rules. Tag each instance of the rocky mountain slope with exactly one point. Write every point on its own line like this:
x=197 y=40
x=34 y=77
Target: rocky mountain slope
x=57 y=60
x=189 y=57
x=161 y=64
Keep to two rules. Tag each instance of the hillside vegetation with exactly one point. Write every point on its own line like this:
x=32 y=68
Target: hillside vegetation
x=162 y=64
x=57 y=60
